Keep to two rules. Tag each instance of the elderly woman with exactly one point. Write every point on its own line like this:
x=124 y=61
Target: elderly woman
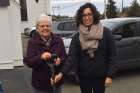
x=92 y=50
x=40 y=49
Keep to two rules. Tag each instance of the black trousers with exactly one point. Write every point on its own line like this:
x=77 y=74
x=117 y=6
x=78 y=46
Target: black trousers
x=92 y=85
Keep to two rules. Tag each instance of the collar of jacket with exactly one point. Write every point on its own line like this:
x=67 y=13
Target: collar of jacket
x=38 y=40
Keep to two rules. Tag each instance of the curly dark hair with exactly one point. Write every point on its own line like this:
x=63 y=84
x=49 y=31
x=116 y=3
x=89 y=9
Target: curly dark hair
x=79 y=14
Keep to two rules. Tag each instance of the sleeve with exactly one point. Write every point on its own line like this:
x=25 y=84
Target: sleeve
x=61 y=53
x=72 y=58
x=111 y=55
x=33 y=59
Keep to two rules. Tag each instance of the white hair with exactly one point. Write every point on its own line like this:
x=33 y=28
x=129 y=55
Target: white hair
x=42 y=17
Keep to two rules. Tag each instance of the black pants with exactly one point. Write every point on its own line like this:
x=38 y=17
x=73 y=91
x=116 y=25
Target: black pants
x=92 y=85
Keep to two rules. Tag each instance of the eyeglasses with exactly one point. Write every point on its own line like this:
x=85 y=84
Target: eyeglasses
x=88 y=14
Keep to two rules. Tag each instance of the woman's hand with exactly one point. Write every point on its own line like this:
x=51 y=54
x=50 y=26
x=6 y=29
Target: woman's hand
x=57 y=78
x=46 y=56
x=57 y=61
x=108 y=81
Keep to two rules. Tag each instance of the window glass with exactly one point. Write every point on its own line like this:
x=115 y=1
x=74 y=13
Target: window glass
x=61 y=26
x=67 y=26
x=70 y=26
x=23 y=10
x=126 y=30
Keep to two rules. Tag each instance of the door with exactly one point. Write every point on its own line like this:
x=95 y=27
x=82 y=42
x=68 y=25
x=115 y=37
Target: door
x=137 y=48
x=126 y=46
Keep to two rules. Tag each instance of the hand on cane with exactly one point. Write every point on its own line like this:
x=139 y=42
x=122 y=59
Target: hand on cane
x=108 y=81
x=57 y=78
x=52 y=81
x=57 y=61
x=46 y=56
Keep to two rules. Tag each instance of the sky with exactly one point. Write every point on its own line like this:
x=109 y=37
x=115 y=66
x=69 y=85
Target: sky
x=69 y=7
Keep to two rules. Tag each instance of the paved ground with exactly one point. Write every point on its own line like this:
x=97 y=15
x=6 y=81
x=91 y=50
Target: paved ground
x=18 y=81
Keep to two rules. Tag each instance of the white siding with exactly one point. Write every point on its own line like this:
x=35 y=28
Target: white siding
x=11 y=27
x=10 y=37
x=5 y=40
x=15 y=21
x=34 y=10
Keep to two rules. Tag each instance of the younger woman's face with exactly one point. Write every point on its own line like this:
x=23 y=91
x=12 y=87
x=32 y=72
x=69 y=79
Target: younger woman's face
x=87 y=17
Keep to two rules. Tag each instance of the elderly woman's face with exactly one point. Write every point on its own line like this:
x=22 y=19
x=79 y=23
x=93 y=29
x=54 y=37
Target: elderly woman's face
x=87 y=17
x=44 y=28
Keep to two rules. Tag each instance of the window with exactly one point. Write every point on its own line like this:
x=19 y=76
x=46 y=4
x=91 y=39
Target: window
x=67 y=26
x=61 y=26
x=70 y=26
x=126 y=30
x=23 y=10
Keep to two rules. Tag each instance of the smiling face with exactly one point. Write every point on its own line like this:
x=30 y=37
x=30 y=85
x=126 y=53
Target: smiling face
x=44 y=27
x=87 y=17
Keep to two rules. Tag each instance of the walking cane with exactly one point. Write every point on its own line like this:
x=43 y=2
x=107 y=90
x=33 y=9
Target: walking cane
x=51 y=64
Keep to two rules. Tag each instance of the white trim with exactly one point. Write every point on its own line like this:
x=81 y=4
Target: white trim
x=6 y=64
x=18 y=62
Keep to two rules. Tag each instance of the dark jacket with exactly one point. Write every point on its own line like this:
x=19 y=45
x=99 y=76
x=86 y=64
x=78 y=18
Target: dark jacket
x=101 y=65
x=41 y=73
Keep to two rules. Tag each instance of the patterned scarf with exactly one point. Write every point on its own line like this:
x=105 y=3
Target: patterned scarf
x=89 y=39
x=47 y=41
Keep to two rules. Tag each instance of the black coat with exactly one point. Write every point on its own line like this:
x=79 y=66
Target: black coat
x=102 y=65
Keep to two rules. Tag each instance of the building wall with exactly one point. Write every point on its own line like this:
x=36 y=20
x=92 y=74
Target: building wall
x=15 y=21
x=34 y=10
x=5 y=40
x=10 y=37
x=11 y=26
